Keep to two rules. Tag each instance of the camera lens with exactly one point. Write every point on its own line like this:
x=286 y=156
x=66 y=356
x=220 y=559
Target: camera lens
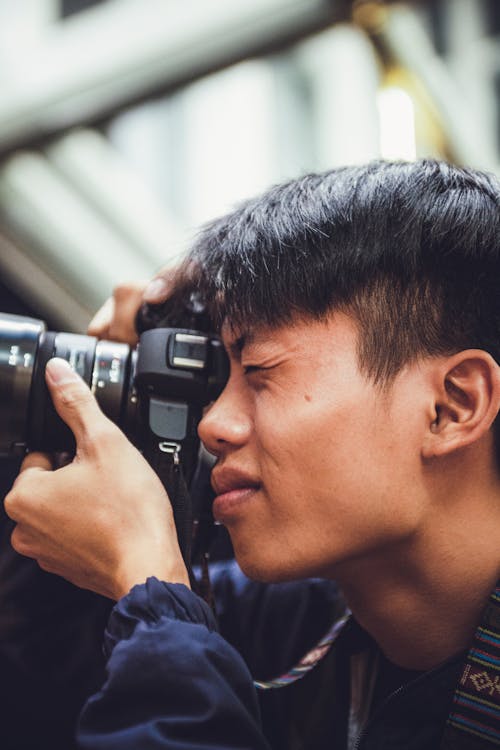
x=19 y=339
x=110 y=377
x=28 y=418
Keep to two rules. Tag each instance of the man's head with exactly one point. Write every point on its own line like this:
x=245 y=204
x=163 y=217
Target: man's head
x=379 y=277
x=410 y=249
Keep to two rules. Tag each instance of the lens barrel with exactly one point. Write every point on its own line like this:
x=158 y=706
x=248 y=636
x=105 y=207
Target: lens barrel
x=19 y=339
x=27 y=416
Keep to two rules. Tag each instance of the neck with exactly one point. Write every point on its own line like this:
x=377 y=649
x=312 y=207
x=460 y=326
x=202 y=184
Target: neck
x=423 y=600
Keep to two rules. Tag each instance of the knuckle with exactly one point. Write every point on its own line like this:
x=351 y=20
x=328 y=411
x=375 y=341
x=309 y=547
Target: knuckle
x=46 y=565
x=20 y=542
x=13 y=501
x=9 y=503
x=124 y=290
x=21 y=502
x=119 y=329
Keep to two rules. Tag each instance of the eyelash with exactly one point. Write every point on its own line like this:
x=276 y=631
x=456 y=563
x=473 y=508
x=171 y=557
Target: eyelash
x=248 y=369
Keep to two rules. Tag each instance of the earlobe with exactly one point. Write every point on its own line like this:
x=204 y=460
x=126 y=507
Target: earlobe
x=467 y=401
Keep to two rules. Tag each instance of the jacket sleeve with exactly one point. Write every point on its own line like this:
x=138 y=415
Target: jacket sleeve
x=172 y=681
x=51 y=656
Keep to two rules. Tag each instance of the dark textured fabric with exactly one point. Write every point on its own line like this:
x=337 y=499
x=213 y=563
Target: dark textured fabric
x=51 y=659
x=51 y=656
x=175 y=683
x=414 y=717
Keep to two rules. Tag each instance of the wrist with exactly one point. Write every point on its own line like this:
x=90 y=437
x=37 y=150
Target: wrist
x=134 y=575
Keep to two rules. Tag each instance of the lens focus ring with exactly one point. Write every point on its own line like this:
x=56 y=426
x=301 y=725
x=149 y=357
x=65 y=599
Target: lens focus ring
x=109 y=377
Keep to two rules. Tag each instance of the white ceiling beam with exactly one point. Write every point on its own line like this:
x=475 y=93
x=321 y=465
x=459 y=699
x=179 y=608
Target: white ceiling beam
x=102 y=59
x=41 y=289
x=62 y=234
x=405 y=37
x=106 y=182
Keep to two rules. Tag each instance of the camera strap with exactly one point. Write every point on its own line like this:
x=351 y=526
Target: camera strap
x=164 y=460
x=474 y=720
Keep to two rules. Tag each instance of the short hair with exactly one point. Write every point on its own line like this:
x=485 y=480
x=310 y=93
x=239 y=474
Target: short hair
x=410 y=249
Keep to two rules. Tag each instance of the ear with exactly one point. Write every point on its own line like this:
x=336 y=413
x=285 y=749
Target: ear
x=467 y=401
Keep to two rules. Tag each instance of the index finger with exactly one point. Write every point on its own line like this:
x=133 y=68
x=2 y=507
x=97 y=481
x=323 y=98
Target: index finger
x=101 y=320
x=37 y=461
x=159 y=287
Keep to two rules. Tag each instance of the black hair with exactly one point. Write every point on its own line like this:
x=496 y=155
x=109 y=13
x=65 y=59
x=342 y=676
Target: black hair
x=411 y=250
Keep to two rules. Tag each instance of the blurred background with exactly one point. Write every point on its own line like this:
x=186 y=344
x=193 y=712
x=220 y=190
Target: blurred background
x=125 y=124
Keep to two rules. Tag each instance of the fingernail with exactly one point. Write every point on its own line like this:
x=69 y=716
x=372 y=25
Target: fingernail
x=156 y=290
x=60 y=371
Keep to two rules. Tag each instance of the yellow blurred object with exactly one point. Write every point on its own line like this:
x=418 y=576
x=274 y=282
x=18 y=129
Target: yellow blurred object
x=369 y=15
x=429 y=135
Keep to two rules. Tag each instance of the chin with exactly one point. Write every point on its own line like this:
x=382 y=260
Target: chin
x=267 y=569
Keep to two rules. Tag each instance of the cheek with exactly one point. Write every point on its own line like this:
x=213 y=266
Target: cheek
x=311 y=445
x=340 y=481
x=335 y=452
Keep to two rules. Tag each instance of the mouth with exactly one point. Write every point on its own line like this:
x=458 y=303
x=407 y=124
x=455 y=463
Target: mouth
x=233 y=491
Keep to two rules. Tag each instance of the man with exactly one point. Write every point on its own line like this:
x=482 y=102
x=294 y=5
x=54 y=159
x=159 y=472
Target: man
x=355 y=441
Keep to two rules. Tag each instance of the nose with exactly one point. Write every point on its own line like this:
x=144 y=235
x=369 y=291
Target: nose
x=227 y=423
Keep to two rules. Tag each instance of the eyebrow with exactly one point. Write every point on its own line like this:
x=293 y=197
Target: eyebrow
x=236 y=346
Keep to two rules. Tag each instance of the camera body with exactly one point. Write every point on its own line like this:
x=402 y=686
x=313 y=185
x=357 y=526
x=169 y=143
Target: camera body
x=155 y=393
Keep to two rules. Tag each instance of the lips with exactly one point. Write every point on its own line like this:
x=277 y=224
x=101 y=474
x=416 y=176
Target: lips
x=225 y=479
x=234 y=490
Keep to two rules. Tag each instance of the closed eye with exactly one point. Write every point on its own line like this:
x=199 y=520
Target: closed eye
x=249 y=369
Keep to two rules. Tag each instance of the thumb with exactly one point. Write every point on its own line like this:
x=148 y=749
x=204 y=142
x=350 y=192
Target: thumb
x=73 y=401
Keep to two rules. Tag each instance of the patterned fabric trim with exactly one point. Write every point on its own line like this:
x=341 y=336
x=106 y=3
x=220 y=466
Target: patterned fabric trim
x=476 y=704
x=310 y=660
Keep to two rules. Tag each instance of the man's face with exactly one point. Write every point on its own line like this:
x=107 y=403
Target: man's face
x=316 y=465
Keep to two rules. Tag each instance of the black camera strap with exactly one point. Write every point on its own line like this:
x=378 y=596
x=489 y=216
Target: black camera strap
x=194 y=534
x=164 y=459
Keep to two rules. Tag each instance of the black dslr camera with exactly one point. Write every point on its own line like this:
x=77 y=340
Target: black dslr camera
x=155 y=393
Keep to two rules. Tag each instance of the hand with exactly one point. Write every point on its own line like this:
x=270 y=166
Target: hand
x=115 y=320
x=104 y=521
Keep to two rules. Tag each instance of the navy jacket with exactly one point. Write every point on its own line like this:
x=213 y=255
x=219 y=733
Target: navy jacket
x=51 y=660
x=174 y=682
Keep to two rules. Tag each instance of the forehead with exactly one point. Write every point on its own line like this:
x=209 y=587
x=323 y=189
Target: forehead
x=334 y=331
x=237 y=338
